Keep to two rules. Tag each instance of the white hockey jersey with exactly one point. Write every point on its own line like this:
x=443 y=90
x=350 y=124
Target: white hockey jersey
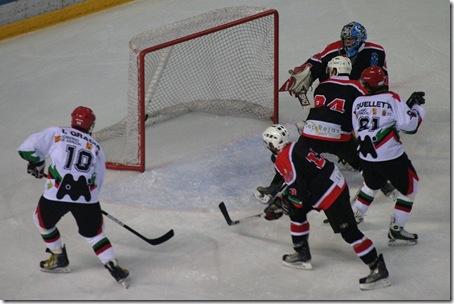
x=77 y=163
x=377 y=121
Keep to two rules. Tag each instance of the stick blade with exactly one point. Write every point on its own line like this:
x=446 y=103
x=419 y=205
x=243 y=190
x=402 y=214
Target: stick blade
x=226 y=215
x=163 y=238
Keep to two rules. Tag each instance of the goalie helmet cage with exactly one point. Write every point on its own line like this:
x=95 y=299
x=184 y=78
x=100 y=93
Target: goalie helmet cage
x=223 y=62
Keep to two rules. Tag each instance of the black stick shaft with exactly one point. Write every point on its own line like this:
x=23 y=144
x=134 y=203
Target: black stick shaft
x=124 y=225
x=155 y=241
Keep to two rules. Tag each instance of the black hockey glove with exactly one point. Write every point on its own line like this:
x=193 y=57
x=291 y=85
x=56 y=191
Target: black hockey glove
x=416 y=98
x=36 y=169
x=277 y=207
x=273 y=212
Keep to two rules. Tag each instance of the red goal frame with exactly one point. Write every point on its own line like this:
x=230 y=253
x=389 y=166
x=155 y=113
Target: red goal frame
x=141 y=78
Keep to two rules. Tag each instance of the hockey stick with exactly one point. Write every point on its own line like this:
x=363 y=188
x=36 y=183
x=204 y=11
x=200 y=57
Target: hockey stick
x=155 y=241
x=229 y=221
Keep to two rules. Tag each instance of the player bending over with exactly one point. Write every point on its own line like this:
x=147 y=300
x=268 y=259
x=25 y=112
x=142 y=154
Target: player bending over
x=316 y=183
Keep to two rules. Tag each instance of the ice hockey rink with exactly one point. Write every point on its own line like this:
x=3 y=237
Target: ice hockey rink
x=197 y=160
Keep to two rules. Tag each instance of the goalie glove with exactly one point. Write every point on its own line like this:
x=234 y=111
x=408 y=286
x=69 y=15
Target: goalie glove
x=36 y=169
x=299 y=83
x=416 y=98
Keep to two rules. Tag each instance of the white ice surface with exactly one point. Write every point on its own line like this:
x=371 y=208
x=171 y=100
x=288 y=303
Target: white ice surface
x=197 y=160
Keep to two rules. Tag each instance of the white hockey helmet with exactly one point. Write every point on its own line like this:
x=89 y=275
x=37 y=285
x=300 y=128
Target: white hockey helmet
x=275 y=137
x=342 y=64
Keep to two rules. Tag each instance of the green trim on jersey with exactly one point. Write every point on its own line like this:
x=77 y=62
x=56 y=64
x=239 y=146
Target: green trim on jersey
x=30 y=156
x=54 y=173
x=383 y=133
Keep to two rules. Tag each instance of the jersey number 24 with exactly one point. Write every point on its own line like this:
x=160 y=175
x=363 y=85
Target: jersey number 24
x=337 y=104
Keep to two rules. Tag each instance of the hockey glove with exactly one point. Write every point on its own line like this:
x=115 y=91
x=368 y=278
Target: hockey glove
x=36 y=169
x=273 y=212
x=416 y=98
x=299 y=83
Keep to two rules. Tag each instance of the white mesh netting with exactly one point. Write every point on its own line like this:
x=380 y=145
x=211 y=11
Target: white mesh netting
x=227 y=71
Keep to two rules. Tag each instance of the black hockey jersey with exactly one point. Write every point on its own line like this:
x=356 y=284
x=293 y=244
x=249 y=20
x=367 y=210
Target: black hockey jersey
x=310 y=178
x=330 y=117
x=369 y=54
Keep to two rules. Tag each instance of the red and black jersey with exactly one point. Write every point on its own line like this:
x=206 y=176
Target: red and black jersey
x=333 y=100
x=369 y=54
x=311 y=178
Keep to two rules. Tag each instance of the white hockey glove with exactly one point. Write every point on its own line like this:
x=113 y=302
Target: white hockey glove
x=299 y=83
x=36 y=169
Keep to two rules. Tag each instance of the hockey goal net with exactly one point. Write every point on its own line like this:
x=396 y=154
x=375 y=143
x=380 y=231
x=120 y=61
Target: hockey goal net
x=223 y=62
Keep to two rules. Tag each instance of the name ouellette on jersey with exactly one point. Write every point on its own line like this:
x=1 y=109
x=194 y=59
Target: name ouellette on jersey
x=312 y=179
x=330 y=117
x=77 y=167
x=377 y=121
x=369 y=54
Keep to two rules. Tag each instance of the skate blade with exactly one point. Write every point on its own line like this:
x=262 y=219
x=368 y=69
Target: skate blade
x=124 y=282
x=57 y=270
x=264 y=199
x=399 y=243
x=299 y=265
x=375 y=285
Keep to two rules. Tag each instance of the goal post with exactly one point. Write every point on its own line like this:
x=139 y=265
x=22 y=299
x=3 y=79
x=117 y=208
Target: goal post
x=223 y=62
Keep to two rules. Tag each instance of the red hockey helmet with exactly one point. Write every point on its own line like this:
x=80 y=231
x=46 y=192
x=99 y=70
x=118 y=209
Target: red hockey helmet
x=373 y=77
x=83 y=118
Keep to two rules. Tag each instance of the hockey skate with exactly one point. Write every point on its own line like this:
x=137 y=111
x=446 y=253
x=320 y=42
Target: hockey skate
x=57 y=262
x=301 y=259
x=399 y=236
x=264 y=194
x=121 y=275
x=378 y=277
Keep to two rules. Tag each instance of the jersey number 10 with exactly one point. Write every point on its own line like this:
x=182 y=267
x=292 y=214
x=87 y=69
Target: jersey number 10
x=83 y=159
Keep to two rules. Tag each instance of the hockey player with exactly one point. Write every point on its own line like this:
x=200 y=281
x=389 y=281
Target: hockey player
x=328 y=127
x=315 y=183
x=74 y=178
x=352 y=44
x=377 y=119
x=362 y=54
